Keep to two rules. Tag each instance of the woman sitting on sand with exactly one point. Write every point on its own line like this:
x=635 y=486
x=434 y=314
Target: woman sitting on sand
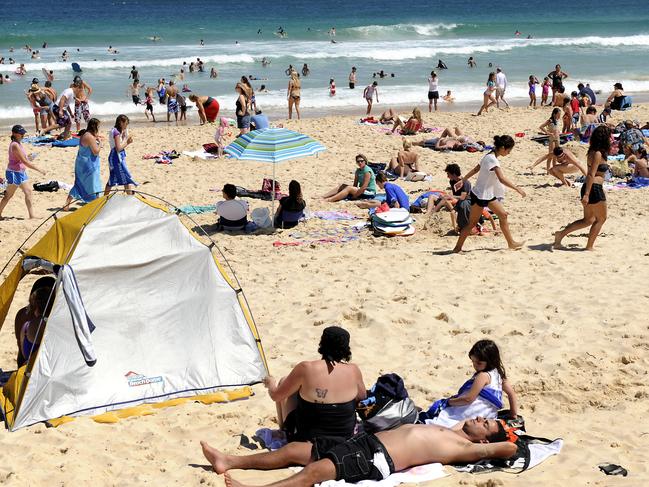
x=207 y=107
x=318 y=398
x=28 y=313
x=291 y=207
x=364 y=186
x=405 y=162
x=614 y=101
x=413 y=125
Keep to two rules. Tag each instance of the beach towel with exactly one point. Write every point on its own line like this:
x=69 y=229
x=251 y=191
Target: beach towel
x=334 y=215
x=532 y=451
x=196 y=209
x=40 y=140
x=72 y=142
x=330 y=235
x=81 y=322
x=414 y=475
x=199 y=154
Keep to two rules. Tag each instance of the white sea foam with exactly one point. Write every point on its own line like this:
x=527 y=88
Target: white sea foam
x=379 y=50
x=426 y=30
x=313 y=98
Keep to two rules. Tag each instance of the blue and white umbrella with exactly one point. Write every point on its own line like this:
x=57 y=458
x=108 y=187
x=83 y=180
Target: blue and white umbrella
x=273 y=145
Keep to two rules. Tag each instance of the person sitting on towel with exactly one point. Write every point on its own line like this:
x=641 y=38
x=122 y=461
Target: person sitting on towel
x=318 y=397
x=395 y=197
x=291 y=207
x=28 y=314
x=232 y=212
x=364 y=186
x=40 y=305
x=405 y=162
x=375 y=456
x=481 y=395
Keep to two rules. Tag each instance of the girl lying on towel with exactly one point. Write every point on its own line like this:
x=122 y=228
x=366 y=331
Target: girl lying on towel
x=481 y=395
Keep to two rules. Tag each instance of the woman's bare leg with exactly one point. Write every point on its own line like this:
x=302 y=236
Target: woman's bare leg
x=474 y=217
x=587 y=220
x=600 y=212
x=499 y=210
x=334 y=191
x=342 y=194
x=66 y=206
x=9 y=192
x=27 y=190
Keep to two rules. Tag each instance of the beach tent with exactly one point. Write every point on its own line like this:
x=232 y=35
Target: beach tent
x=166 y=319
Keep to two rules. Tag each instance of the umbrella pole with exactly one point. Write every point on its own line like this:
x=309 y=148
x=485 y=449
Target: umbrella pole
x=272 y=199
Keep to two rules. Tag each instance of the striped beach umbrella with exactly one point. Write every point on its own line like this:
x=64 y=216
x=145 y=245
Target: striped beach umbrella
x=273 y=145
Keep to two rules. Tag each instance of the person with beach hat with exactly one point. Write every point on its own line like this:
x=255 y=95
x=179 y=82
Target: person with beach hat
x=318 y=398
x=16 y=173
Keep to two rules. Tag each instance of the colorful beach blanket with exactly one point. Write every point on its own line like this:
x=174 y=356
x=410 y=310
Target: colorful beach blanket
x=334 y=215
x=330 y=235
x=635 y=183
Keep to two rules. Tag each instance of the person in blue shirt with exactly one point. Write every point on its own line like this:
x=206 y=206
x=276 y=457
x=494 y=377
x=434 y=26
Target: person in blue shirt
x=258 y=120
x=395 y=197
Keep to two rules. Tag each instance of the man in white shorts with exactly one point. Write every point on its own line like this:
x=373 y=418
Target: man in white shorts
x=501 y=86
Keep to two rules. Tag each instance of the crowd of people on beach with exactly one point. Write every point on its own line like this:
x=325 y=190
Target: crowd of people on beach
x=575 y=115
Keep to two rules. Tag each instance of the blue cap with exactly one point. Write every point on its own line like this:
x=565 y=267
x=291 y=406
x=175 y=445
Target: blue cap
x=18 y=129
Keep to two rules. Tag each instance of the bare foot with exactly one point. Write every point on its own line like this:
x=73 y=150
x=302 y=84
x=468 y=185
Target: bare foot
x=215 y=457
x=457 y=250
x=34 y=217
x=557 y=242
x=230 y=482
x=517 y=245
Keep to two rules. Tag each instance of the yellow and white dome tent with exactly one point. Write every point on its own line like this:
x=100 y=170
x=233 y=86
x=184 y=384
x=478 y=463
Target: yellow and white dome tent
x=168 y=320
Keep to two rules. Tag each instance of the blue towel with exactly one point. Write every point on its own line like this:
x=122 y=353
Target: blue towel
x=73 y=142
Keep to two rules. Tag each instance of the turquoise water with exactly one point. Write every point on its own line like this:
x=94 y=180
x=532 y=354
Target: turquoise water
x=601 y=45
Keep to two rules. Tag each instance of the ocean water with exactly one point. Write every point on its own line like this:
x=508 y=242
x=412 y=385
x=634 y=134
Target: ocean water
x=600 y=44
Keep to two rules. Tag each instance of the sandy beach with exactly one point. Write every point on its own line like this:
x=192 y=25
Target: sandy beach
x=570 y=324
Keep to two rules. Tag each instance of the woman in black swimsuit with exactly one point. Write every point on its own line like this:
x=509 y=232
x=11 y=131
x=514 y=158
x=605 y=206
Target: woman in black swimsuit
x=592 y=192
x=318 y=398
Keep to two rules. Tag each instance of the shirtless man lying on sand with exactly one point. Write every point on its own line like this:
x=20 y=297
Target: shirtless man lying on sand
x=373 y=457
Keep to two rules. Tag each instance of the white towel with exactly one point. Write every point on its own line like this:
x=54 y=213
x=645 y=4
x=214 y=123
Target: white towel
x=200 y=154
x=414 y=475
x=81 y=322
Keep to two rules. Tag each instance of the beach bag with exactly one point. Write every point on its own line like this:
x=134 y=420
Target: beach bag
x=387 y=405
x=392 y=415
x=261 y=217
x=626 y=103
x=211 y=148
x=267 y=186
x=377 y=167
x=49 y=187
